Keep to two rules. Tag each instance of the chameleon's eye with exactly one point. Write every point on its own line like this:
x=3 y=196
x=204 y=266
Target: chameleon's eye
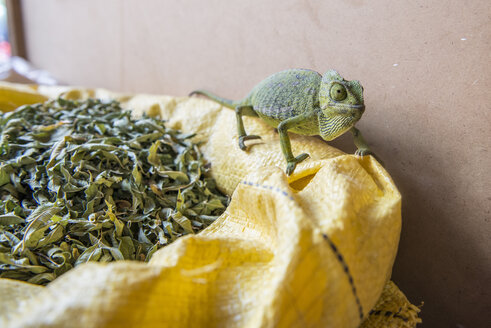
x=338 y=92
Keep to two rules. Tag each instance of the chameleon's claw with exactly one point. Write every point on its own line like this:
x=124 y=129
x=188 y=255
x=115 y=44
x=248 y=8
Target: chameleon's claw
x=244 y=138
x=363 y=152
x=291 y=165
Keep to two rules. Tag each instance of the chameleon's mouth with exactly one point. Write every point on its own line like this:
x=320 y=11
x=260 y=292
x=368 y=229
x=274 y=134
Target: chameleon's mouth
x=347 y=110
x=360 y=107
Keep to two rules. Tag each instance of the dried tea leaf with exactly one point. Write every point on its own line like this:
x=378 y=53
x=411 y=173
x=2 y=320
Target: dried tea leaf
x=83 y=181
x=10 y=218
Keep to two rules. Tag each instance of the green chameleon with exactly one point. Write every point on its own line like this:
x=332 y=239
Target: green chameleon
x=303 y=102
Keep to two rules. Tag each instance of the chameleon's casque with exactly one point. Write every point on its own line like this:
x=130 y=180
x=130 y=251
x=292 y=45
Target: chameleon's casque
x=303 y=102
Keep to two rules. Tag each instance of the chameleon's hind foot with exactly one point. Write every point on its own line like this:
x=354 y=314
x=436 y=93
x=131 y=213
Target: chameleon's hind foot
x=244 y=138
x=291 y=165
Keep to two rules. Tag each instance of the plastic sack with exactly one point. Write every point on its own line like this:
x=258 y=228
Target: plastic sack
x=312 y=250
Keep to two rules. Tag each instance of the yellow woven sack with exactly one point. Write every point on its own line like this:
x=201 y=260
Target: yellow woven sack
x=312 y=250
x=13 y=96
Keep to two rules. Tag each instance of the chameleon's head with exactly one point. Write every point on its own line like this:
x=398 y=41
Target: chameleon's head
x=341 y=103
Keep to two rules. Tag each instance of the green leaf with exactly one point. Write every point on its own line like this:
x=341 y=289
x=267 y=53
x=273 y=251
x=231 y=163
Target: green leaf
x=183 y=222
x=33 y=236
x=127 y=248
x=56 y=234
x=137 y=175
x=152 y=250
x=42 y=278
x=21 y=264
x=4 y=175
x=10 y=219
x=153 y=158
x=92 y=253
x=176 y=175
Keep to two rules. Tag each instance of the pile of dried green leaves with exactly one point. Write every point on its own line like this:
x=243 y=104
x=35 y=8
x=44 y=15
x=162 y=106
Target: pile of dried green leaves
x=83 y=181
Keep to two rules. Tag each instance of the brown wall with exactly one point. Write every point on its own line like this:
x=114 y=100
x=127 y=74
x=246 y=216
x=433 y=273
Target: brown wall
x=425 y=66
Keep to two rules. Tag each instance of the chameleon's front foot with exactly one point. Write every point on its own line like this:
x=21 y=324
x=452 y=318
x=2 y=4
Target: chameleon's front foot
x=361 y=144
x=244 y=138
x=292 y=164
x=363 y=152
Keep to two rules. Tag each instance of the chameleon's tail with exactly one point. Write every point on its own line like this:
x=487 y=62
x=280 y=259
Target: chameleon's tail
x=222 y=101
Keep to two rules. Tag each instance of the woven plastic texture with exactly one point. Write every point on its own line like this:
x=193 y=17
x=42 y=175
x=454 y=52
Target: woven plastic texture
x=312 y=250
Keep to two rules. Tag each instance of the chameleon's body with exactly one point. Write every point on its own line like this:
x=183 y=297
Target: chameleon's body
x=304 y=102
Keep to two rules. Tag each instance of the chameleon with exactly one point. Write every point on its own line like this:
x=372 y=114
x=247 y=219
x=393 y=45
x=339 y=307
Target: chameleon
x=303 y=102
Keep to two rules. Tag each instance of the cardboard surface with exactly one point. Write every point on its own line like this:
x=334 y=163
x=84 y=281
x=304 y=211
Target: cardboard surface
x=425 y=67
